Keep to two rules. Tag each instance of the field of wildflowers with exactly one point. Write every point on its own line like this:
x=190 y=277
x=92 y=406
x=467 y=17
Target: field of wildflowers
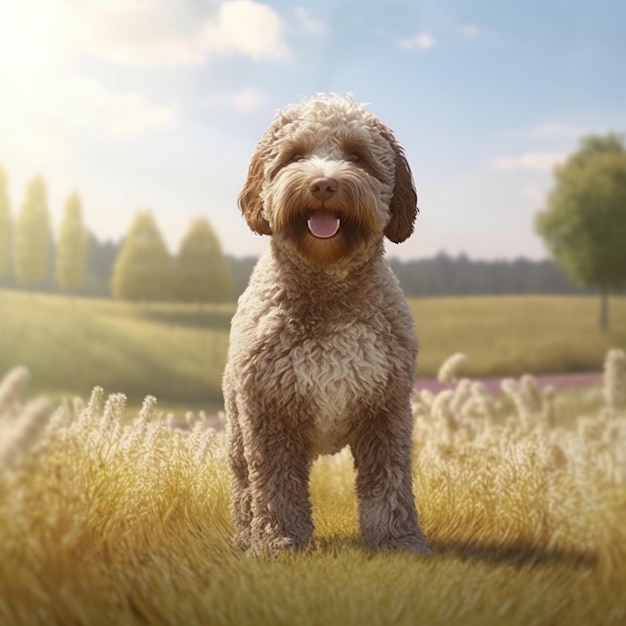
x=522 y=496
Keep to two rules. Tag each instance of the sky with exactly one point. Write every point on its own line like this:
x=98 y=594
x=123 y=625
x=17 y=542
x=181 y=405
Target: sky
x=158 y=104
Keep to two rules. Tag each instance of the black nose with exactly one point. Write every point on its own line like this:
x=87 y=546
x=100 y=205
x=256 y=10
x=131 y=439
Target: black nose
x=323 y=188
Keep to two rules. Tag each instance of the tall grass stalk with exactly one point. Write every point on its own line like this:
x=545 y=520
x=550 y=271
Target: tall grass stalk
x=109 y=521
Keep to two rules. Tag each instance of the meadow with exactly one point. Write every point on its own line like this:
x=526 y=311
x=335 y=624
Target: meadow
x=177 y=352
x=106 y=521
x=113 y=511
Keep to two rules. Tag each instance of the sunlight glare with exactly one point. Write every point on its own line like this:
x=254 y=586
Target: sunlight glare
x=31 y=53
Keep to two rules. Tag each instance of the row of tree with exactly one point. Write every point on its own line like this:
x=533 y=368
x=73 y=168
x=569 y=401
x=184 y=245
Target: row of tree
x=140 y=268
x=26 y=247
x=144 y=270
x=583 y=225
x=447 y=275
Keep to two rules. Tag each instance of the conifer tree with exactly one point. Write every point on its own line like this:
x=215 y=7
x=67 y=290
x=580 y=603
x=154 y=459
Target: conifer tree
x=71 y=252
x=32 y=239
x=5 y=226
x=142 y=269
x=201 y=271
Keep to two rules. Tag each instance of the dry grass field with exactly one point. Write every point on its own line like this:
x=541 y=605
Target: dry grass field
x=522 y=496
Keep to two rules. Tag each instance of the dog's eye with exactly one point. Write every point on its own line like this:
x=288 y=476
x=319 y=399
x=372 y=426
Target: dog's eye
x=353 y=158
x=296 y=157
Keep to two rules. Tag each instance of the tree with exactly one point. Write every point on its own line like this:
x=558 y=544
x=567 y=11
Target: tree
x=101 y=257
x=584 y=224
x=142 y=270
x=5 y=226
x=201 y=271
x=71 y=253
x=32 y=239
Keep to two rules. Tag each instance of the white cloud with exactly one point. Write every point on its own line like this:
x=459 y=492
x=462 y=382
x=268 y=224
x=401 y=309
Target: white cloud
x=84 y=101
x=310 y=23
x=421 y=41
x=59 y=104
x=244 y=100
x=150 y=33
x=544 y=161
x=246 y=28
x=469 y=31
x=536 y=195
x=549 y=130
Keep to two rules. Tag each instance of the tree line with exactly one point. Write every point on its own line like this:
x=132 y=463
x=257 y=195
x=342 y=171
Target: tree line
x=138 y=268
x=583 y=225
x=447 y=275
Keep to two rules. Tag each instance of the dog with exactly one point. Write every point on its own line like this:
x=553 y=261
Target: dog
x=322 y=350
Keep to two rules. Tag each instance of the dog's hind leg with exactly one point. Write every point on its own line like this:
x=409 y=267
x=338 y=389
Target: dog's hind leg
x=381 y=448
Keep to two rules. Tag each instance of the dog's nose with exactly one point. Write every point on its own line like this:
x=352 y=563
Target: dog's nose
x=323 y=188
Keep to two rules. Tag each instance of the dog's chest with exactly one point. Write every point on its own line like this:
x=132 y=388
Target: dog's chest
x=336 y=373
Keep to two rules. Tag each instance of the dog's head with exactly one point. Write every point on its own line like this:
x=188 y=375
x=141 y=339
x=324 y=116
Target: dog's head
x=327 y=179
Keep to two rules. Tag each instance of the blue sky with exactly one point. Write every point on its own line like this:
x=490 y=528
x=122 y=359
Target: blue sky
x=158 y=104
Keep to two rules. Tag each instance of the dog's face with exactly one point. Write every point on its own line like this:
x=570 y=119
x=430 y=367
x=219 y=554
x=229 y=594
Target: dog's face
x=328 y=179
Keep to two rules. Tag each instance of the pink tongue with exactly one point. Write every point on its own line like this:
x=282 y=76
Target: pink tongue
x=323 y=224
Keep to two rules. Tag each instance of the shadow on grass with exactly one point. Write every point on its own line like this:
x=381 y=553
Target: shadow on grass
x=214 y=320
x=519 y=553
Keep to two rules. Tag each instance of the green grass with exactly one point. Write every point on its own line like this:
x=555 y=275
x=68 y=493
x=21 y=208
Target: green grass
x=513 y=335
x=71 y=345
x=177 y=352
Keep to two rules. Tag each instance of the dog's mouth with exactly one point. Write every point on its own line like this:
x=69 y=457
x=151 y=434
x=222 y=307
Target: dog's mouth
x=323 y=224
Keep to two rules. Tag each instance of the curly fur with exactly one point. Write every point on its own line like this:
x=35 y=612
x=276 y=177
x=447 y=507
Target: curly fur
x=322 y=352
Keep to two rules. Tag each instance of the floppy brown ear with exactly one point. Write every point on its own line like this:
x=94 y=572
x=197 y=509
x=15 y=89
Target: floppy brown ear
x=249 y=200
x=403 y=204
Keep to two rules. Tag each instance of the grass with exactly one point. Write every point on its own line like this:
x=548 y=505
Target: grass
x=177 y=352
x=106 y=521
x=71 y=345
x=512 y=335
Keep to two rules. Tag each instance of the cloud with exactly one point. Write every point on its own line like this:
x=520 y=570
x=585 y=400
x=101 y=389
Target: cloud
x=244 y=100
x=86 y=102
x=150 y=33
x=246 y=28
x=544 y=161
x=548 y=130
x=469 y=31
x=309 y=23
x=421 y=41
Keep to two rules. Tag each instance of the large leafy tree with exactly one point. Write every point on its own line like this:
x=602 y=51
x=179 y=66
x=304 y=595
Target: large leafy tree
x=201 y=271
x=584 y=224
x=5 y=226
x=71 y=252
x=32 y=239
x=142 y=270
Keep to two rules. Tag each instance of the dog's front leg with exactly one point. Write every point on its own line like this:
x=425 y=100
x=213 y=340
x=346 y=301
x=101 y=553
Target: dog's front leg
x=241 y=501
x=278 y=464
x=382 y=456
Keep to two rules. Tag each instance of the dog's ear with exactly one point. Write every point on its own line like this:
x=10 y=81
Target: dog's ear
x=403 y=205
x=249 y=200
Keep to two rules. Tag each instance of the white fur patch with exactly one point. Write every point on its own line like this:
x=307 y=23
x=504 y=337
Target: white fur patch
x=336 y=373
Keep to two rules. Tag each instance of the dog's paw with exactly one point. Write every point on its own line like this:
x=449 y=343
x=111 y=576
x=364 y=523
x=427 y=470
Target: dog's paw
x=243 y=540
x=412 y=543
x=269 y=547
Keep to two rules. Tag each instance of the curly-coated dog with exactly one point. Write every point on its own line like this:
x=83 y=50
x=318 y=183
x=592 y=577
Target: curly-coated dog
x=322 y=348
